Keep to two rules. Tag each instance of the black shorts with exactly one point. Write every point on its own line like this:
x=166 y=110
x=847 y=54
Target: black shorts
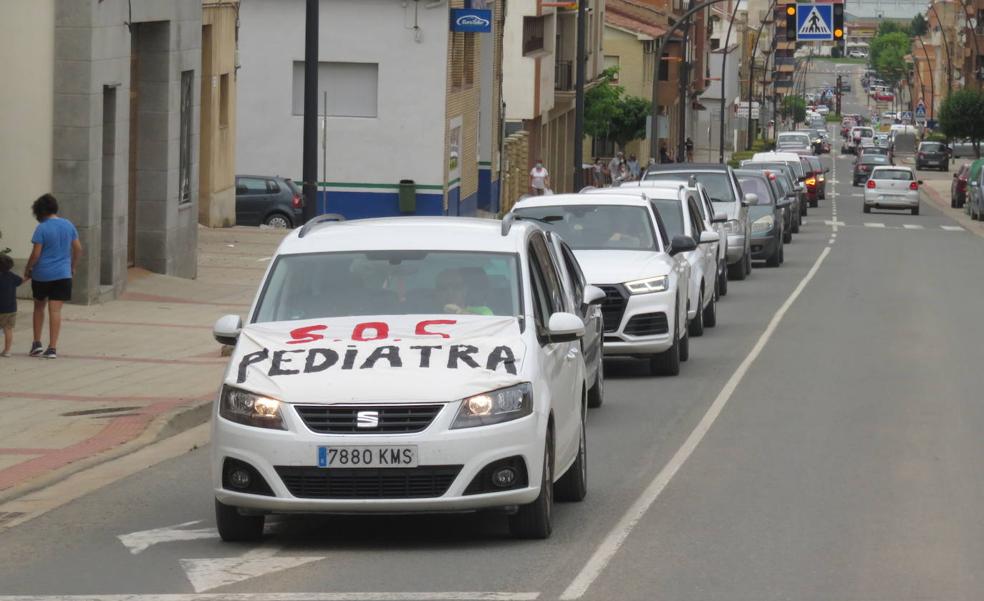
x=56 y=290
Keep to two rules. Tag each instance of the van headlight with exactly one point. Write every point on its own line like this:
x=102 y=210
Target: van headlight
x=764 y=224
x=648 y=285
x=495 y=407
x=244 y=407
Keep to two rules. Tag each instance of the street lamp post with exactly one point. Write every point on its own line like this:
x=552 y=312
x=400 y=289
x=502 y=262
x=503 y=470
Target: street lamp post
x=946 y=46
x=932 y=81
x=751 y=73
x=724 y=67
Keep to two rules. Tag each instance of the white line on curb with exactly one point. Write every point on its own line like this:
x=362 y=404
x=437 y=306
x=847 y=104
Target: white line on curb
x=603 y=555
x=442 y=596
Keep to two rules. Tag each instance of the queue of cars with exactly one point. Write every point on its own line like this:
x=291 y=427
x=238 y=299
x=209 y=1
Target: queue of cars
x=967 y=190
x=445 y=364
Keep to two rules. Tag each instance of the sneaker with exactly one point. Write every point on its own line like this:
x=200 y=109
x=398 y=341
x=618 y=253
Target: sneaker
x=37 y=349
x=50 y=353
x=5 y=354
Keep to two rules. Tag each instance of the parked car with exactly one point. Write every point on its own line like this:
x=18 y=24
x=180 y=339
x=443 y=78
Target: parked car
x=788 y=197
x=767 y=228
x=958 y=188
x=865 y=165
x=933 y=154
x=336 y=399
x=624 y=249
x=974 y=206
x=269 y=200
x=575 y=286
x=798 y=168
x=722 y=186
x=892 y=187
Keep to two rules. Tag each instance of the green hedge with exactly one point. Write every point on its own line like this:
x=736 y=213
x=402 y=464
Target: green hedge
x=935 y=137
x=741 y=155
x=833 y=118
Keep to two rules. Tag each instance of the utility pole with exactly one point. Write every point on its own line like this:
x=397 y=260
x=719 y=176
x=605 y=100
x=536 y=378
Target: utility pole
x=684 y=89
x=579 y=94
x=839 y=83
x=310 y=160
x=724 y=69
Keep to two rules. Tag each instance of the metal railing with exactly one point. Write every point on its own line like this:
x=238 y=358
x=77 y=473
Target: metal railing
x=564 y=75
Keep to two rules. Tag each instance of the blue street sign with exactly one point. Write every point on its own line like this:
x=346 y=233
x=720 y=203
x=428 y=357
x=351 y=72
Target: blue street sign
x=814 y=22
x=471 y=20
x=921 y=111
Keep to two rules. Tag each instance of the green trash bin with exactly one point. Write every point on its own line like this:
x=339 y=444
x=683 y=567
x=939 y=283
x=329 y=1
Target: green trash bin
x=408 y=196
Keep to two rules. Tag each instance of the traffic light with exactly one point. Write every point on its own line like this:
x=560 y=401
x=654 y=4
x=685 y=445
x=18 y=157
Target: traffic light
x=838 y=22
x=791 y=21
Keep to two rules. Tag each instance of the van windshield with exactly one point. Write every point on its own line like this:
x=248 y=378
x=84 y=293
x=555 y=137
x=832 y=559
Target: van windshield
x=389 y=282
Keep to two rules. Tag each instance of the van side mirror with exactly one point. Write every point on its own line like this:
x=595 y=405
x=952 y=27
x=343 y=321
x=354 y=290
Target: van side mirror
x=564 y=327
x=226 y=329
x=682 y=244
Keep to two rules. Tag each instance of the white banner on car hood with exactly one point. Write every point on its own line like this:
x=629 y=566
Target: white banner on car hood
x=381 y=358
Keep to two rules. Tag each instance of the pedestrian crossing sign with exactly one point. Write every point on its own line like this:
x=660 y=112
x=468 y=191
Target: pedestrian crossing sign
x=814 y=22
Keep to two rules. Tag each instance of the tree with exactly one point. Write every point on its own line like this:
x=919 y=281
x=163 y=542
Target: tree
x=887 y=54
x=793 y=107
x=962 y=115
x=919 y=25
x=609 y=113
x=888 y=27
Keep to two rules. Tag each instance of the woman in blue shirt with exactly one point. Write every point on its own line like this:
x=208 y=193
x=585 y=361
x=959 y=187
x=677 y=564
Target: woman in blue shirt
x=51 y=266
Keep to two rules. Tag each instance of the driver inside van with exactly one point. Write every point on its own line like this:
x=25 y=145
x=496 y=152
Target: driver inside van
x=452 y=293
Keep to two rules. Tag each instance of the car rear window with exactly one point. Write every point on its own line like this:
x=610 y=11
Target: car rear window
x=931 y=146
x=755 y=185
x=874 y=159
x=894 y=174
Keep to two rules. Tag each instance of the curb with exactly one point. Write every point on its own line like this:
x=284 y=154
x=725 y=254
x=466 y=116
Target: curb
x=161 y=428
x=957 y=215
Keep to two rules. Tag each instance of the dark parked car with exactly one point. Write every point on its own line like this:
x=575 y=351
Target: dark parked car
x=958 y=189
x=765 y=215
x=862 y=169
x=933 y=154
x=270 y=200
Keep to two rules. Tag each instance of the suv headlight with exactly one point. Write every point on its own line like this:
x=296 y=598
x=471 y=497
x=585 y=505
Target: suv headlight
x=502 y=405
x=733 y=226
x=244 y=407
x=763 y=224
x=648 y=285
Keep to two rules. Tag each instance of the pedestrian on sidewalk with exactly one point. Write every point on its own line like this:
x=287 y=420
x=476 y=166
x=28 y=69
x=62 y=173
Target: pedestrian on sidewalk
x=598 y=171
x=664 y=156
x=689 y=145
x=613 y=166
x=51 y=267
x=539 y=179
x=9 y=281
x=634 y=169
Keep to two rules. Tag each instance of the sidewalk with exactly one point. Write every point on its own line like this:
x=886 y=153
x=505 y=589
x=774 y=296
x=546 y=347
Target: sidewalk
x=129 y=371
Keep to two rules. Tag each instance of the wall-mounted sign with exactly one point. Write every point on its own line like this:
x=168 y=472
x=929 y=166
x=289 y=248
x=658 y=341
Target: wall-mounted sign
x=471 y=20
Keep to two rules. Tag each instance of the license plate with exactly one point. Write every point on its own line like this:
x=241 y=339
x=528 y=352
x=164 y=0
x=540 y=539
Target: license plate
x=367 y=456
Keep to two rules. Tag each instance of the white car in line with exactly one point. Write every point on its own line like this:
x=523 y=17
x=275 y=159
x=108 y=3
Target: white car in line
x=681 y=214
x=403 y=365
x=625 y=250
x=892 y=187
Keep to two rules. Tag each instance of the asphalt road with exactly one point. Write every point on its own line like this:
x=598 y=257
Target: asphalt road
x=823 y=442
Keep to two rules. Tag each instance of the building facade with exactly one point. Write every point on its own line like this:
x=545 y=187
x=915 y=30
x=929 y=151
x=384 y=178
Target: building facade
x=106 y=119
x=400 y=99
x=539 y=50
x=217 y=180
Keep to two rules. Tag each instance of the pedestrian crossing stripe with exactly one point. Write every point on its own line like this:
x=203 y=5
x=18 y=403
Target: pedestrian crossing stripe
x=814 y=22
x=912 y=226
x=952 y=228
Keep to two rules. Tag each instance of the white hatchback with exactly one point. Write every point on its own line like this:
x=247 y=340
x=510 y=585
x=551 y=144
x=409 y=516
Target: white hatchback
x=403 y=365
x=892 y=187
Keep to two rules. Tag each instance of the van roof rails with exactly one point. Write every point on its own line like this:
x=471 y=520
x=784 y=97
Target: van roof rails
x=319 y=220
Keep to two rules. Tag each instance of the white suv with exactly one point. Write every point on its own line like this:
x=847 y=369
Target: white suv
x=403 y=365
x=623 y=248
x=679 y=210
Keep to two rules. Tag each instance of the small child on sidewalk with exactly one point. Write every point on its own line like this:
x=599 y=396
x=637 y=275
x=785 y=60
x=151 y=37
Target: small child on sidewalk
x=9 y=281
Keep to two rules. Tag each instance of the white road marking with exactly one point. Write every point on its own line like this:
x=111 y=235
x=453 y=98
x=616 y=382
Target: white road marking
x=829 y=222
x=952 y=228
x=833 y=235
x=912 y=226
x=208 y=574
x=263 y=260
x=137 y=542
x=603 y=555
x=857 y=195
x=874 y=225
x=440 y=596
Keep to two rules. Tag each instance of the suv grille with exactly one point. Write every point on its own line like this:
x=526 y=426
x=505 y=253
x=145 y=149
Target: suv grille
x=613 y=307
x=344 y=419
x=367 y=483
x=647 y=324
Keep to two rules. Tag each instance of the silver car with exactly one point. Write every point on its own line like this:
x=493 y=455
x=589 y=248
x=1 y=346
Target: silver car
x=892 y=187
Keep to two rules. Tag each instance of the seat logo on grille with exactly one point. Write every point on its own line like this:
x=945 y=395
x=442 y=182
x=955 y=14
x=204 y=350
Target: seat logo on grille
x=367 y=419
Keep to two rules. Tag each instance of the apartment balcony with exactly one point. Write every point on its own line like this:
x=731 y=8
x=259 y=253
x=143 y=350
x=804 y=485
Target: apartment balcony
x=564 y=76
